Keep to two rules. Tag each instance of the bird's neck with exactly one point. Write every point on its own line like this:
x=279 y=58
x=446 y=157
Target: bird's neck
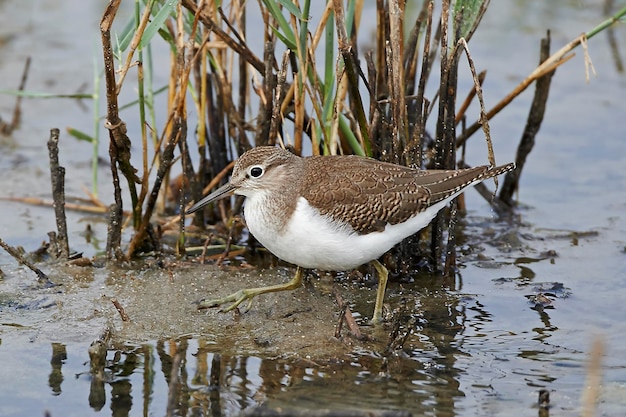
x=270 y=209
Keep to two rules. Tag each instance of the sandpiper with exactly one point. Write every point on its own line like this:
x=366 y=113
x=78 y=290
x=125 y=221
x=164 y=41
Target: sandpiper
x=335 y=212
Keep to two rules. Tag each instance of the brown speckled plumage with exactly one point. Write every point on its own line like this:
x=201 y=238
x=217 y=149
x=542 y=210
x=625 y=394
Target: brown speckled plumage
x=370 y=194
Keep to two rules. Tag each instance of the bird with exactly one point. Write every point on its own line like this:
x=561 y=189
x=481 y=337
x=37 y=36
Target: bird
x=336 y=212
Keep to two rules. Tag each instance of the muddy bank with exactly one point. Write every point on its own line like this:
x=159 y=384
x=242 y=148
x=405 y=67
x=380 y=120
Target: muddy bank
x=160 y=303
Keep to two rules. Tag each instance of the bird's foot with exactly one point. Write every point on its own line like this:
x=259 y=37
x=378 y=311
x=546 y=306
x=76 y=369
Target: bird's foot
x=235 y=298
x=249 y=293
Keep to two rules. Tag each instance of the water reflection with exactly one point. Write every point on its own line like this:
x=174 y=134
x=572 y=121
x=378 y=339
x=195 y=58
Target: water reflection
x=59 y=355
x=445 y=352
x=188 y=376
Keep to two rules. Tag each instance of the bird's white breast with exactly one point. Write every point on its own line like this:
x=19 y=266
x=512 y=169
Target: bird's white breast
x=311 y=240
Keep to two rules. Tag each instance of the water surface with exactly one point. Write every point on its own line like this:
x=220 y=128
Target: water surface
x=522 y=315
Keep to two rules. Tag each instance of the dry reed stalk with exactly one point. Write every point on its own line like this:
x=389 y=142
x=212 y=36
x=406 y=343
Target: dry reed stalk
x=533 y=123
x=119 y=143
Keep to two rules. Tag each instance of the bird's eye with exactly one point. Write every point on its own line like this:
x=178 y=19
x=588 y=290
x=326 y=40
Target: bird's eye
x=256 y=171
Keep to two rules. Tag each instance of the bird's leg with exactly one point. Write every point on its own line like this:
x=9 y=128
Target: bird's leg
x=380 y=293
x=249 y=293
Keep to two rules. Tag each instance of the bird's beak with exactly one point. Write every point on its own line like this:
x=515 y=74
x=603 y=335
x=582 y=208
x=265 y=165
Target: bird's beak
x=222 y=192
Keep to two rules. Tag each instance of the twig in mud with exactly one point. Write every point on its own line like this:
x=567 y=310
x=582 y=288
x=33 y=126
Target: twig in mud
x=347 y=316
x=402 y=326
x=120 y=309
x=41 y=276
x=226 y=252
x=57 y=177
x=53 y=246
x=342 y=319
x=98 y=353
x=204 y=248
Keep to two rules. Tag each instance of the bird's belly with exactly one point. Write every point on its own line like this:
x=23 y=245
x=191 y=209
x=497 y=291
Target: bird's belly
x=311 y=240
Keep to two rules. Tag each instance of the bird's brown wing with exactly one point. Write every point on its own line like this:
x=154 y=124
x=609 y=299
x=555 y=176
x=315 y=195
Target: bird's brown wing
x=370 y=194
x=364 y=192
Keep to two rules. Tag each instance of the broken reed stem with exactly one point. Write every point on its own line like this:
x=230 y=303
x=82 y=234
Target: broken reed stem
x=41 y=276
x=276 y=121
x=346 y=317
x=421 y=110
x=97 y=355
x=8 y=128
x=57 y=177
x=244 y=94
x=533 y=124
x=397 y=86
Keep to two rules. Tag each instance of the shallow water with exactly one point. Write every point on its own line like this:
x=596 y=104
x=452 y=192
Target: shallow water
x=522 y=315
